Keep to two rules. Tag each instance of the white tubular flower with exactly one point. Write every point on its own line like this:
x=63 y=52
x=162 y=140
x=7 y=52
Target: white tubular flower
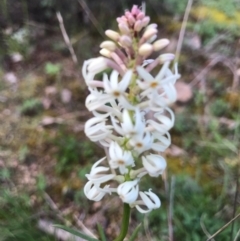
x=93 y=66
x=141 y=143
x=128 y=191
x=154 y=164
x=150 y=83
x=96 y=130
x=93 y=191
x=114 y=87
x=168 y=85
x=119 y=158
x=117 y=90
x=161 y=142
x=98 y=173
x=129 y=128
x=165 y=122
x=96 y=100
x=149 y=199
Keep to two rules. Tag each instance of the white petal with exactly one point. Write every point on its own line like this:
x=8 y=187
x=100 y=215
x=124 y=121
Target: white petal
x=125 y=81
x=144 y=74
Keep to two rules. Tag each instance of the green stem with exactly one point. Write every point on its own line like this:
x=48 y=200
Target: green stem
x=125 y=222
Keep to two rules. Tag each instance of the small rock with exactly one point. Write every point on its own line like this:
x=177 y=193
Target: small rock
x=50 y=90
x=66 y=96
x=16 y=57
x=10 y=77
x=184 y=92
x=48 y=120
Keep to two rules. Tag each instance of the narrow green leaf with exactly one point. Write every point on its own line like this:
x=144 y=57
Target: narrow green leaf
x=135 y=232
x=101 y=233
x=76 y=233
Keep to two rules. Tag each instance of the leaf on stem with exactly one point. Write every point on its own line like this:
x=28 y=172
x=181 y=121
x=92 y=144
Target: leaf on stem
x=101 y=232
x=76 y=233
x=135 y=232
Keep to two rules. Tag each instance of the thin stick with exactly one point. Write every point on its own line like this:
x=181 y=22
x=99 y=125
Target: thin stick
x=222 y=228
x=170 y=210
x=235 y=239
x=235 y=202
x=204 y=227
x=91 y=17
x=183 y=28
x=66 y=38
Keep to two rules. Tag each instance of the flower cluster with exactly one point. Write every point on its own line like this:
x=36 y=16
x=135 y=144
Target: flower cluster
x=130 y=107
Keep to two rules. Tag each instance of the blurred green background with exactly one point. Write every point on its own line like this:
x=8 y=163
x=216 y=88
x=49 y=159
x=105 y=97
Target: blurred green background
x=44 y=154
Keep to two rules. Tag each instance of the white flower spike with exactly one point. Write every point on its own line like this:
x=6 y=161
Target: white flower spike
x=131 y=110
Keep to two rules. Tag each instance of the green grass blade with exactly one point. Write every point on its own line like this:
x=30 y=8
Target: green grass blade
x=101 y=233
x=76 y=233
x=135 y=232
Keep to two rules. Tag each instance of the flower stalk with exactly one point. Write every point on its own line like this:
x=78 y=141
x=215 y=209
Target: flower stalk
x=125 y=222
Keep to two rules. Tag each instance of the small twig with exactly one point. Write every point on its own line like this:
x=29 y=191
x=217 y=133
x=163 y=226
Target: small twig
x=235 y=202
x=236 y=237
x=170 y=209
x=146 y=228
x=218 y=59
x=183 y=28
x=66 y=38
x=91 y=17
x=204 y=228
x=222 y=228
x=83 y=227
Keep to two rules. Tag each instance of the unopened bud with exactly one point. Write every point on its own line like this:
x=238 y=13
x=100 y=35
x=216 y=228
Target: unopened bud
x=138 y=26
x=135 y=10
x=105 y=53
x=122 y=19
x=149 y=33
x=165 y=57
x=140 y=16
x=123 y=28
x=112 y=34
x=145 y=49
x=131 y=19
x=119 y=178
x=160 y=44
x=145 y=21
x=152 y=25
x=110 y=45
x=152 y=39
x=125 y=41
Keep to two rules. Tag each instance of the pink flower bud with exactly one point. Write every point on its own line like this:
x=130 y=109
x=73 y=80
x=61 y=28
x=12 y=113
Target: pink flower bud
x=125 y=41
x=152 y=25
x=135 y=10
x=122 y=19
x=110 y=45
x=105 y=53
x=145 y=49
x=149 y=33
x=140 y=16
x=145 y=21
x=131 y=20
x=112 y=34
x=165 y=57
x=138 y=26
x=124 y=28
x=160 y=44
